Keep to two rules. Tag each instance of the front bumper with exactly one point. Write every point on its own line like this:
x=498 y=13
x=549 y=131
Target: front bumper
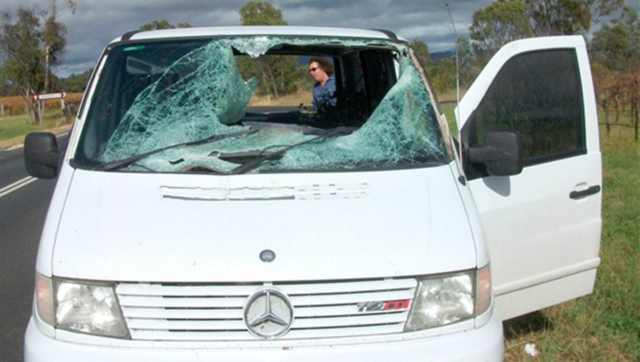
x=478 y=344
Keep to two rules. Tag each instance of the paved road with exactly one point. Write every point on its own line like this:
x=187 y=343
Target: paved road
x=23 y=206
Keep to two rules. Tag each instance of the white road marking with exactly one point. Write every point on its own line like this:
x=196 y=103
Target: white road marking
x=16 y=185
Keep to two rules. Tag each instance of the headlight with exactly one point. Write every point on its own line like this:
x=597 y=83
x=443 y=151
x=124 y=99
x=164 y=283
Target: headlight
x=80 y=307
x=449 y=298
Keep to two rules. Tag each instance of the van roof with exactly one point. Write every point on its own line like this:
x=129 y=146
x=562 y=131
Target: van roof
x=259 y=30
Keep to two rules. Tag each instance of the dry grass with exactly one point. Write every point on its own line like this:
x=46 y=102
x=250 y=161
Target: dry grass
x=450 y=95
x=306 y=96
x=295 y=99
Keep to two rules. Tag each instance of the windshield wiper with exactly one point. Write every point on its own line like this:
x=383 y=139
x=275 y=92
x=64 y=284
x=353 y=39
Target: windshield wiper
x=264 y=155
x=240 y=157
x=117 y=164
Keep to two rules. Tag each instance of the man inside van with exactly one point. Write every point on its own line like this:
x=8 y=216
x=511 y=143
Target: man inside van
x=324 y=91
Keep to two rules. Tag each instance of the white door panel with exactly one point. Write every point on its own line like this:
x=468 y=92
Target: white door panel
x=543 y=225
x=553 y=230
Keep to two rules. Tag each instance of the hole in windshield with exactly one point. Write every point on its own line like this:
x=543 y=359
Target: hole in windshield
x=259 y=104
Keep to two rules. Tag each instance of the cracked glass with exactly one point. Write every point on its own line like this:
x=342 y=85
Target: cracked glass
x=188 y=106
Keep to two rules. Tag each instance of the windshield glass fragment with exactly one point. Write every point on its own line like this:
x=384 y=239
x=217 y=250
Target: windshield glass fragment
x=214 y=105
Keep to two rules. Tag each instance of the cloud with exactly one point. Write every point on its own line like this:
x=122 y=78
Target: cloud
x=95 y=23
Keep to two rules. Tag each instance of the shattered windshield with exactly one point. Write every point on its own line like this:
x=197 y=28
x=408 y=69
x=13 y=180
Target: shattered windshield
x=259 y=104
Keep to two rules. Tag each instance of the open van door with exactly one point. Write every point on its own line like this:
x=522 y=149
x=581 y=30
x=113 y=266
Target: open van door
x=543 y=224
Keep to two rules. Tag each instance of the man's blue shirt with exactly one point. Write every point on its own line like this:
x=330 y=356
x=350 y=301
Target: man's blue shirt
x=324 y=97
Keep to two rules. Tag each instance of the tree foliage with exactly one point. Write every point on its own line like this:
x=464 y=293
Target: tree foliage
x=20 y=44
x=422 y=52
x=261 y=13
x=470 y=64
x=53 y=40
x=77 y=82
x=443 y=72
x=443 y=75
x=7 y=88
x=507 y=20
x=567 y=17
x=500 y=23
x=278 y=75
x=617 y=44
x=162 y=24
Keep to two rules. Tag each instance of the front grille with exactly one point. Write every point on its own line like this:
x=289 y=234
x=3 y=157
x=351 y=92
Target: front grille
x=214 y=312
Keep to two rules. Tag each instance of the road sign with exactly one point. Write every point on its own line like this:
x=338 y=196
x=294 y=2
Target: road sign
x=42 y=97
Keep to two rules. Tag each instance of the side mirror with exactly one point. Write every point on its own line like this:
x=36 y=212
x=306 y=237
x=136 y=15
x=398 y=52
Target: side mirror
x=501 y=153
x=41 y=155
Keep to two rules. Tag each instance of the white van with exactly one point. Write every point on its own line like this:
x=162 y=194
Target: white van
x=187 y=225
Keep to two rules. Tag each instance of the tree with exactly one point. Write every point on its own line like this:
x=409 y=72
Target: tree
x=443 y=75
x=30 y=46
x=500 y=23
x=422 y=52
x=77 y=82
x=469 y=67
x=617 y=45
x=20 y=45
x=53 y=39
x=507 y=20
x=162 y=24
x=567 y=17
x=6 y=84
x=278 y=73
x=261 y=13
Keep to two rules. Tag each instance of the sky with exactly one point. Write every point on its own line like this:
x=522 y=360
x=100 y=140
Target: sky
x=97 y=22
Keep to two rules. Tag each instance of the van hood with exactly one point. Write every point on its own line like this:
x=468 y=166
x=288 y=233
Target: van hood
x=203 y=228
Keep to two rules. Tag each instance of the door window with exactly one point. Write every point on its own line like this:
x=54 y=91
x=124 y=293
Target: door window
x=537 y=94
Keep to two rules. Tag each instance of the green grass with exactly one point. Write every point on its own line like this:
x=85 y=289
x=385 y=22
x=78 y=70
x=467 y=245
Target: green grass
x=448 y=110
x=14 y=128
x=604 y=326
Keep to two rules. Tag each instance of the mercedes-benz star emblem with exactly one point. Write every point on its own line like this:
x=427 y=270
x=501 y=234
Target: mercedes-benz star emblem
x=268 y=314
x=267 y=256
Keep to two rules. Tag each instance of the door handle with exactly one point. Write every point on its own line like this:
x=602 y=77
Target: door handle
x=584 y=193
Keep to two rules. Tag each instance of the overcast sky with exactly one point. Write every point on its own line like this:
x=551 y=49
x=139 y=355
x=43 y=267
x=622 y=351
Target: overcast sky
x=96 y=22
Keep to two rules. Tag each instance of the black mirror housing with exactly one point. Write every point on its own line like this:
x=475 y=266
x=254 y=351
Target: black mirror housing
x=41 y=155
x=501 y=153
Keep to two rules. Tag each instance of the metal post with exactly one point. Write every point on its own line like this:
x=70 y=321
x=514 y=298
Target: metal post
x=41 y=112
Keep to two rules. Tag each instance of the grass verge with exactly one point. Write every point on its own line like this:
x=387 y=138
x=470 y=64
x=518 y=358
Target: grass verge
x=13 y=129
x=294 y=99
